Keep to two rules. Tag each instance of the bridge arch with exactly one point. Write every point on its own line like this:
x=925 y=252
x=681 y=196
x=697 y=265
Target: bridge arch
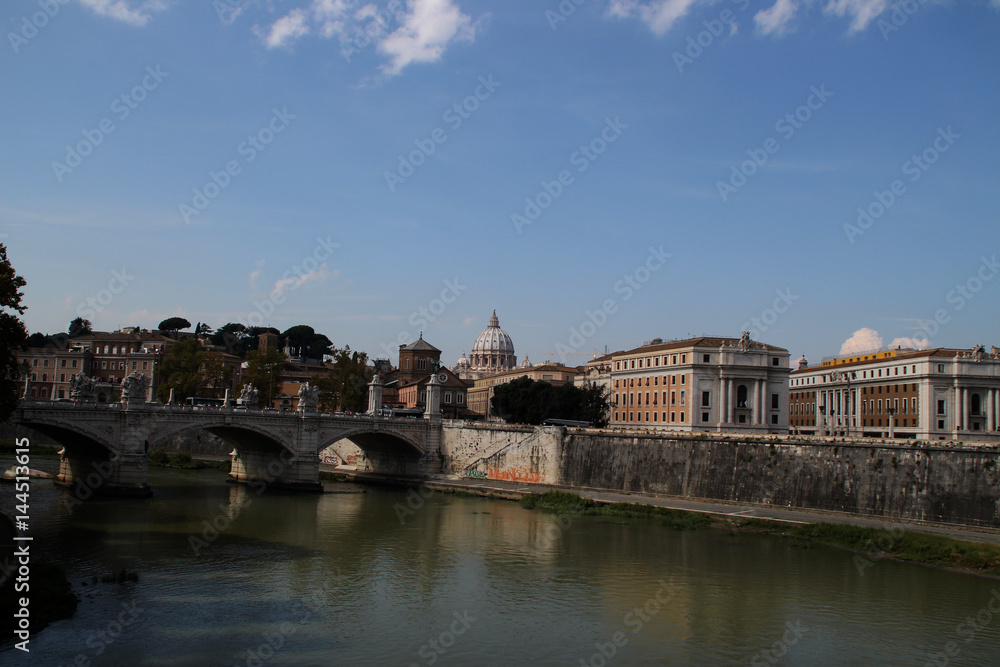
x=248 y=436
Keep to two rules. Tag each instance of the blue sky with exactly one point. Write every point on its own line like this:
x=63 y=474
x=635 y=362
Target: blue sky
x=600 y=172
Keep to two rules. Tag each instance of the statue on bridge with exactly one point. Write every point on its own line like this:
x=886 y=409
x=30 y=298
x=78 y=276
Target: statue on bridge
x=82 y=388
x=249 y=397
x=134 y=387
x=308 y=397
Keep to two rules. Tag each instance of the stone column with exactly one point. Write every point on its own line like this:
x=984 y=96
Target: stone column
x=723 y=399
x=989 y=409
x=957 y=417
x=755 y=403
x=432 y=410
x=374 y=395
x=730 y=402
x=965 y=410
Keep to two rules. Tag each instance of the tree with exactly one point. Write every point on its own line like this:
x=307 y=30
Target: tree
x=304 y=339
x=13 y=335
x=346 y=386
x=525 y=401
x=171 y=325
x=37 y=340
x=264 y=371
x=80 y=327
x=181 y=370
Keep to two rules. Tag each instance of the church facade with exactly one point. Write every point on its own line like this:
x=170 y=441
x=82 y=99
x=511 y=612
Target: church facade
x=492 y=353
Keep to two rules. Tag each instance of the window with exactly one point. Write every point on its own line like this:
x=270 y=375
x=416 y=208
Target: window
x=913 y=405
x=45 y=377
x=673 y=416
x=421 y=364
x=34 y=363
x=143 y=365
x=673 y=398
x=104 y=364
x=407 y=364
x=774 y=362
x=74 y=363
x=741 y=396
x=683 y=400
x=682 y=416
x=133 y=365
x=940 y=368
x=704 y=416
x=774 y=419
x=706 y=397
x=706 y=358
x=684 y=360
x=941 y=407
x=656 y=380
x=940 y=423
x=423 y=396
x=447 y=397
x=673 y=360
x=774 y=401
x=62 y=363
x=460 y=398
x=62 y=377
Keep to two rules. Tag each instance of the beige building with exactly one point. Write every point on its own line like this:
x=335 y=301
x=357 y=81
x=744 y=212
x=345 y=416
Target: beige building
x=937 y=394
x=700 y=384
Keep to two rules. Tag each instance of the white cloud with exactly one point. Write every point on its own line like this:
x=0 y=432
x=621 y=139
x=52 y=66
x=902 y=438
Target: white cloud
x=287 y=29
x=132 y=12
x=861 y=12
x=863 y=340
x=659 y=15
x=428 y=27
x=418 y=31
x=915 y=343
x=778 y=19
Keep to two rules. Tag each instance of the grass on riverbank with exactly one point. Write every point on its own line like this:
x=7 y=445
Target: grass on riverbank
x=898 y=544
x=562 y=502
x=873 y=544
x=182 y=460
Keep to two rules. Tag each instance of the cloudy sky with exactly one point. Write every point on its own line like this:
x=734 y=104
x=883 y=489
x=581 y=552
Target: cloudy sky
x=602 y=172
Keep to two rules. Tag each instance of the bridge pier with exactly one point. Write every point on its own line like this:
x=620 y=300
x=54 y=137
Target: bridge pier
x=119 y=475
x=281 y=471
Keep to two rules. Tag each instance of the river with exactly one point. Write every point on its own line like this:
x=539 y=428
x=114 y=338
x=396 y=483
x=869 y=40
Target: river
x=380 y=576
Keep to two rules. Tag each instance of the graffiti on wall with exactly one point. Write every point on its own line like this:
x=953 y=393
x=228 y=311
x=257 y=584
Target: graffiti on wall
x=514 y=475
x=475 y=474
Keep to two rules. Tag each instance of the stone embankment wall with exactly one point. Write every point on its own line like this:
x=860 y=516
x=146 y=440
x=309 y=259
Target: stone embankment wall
x=925 y=480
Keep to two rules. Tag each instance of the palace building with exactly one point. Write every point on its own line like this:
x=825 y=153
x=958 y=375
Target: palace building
x=700 y=384
x=936 y=394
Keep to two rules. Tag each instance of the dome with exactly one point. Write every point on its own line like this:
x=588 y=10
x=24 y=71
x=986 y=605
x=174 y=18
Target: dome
x=493 y=350
x=526 y=363
x=493 y=339
x=463 y=362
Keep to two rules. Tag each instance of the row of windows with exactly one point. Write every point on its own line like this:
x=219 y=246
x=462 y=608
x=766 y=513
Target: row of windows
x=651 y=362
x=632 y=397
x=631 y=382
x=657 y=417
x=865 y=375
x=45 y=363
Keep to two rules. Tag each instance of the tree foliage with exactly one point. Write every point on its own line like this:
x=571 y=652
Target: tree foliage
x=239 y=339
x=191 y=370
x=263 y=372
x=306 y=342
x=346 y=387
x=171 y=325
x=80 y=327
x=526 y=401
x=13 y=335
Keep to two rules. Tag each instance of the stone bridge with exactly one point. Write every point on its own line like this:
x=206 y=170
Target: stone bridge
x=106 y=446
